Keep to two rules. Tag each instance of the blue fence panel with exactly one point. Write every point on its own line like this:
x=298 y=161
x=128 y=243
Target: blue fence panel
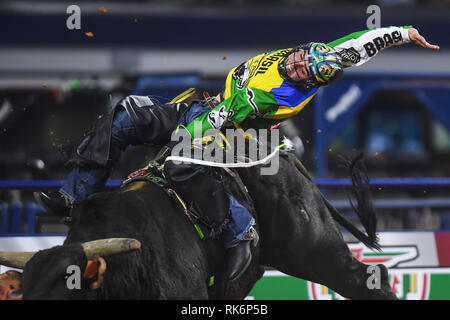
x=4 y=221
x=19 y=218
x=32 y=210
x=15 y=211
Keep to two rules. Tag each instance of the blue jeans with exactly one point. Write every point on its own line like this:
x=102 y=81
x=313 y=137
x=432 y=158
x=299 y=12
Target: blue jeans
x=240 y=223
x=196 y=110
x=83 y=182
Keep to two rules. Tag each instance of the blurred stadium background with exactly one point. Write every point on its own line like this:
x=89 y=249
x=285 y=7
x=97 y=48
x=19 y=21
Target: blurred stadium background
x=54 y=82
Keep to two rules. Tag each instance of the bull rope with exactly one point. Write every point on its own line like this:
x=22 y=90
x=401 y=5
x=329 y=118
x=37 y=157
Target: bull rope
x=286 y=143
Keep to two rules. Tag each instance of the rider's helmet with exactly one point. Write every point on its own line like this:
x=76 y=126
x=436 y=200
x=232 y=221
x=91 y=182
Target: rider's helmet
x=325 y=64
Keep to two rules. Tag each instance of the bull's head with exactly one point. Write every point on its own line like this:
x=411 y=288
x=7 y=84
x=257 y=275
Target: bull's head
x=70 y=271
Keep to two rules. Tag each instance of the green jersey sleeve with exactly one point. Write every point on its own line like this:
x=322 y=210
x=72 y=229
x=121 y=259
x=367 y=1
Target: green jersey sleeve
x=359 y=47
x=235 y=109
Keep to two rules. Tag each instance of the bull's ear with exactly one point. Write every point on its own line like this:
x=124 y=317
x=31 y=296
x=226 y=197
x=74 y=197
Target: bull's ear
x=95 y=270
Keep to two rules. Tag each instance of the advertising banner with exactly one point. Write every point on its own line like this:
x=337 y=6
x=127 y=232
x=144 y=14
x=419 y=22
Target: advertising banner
x=418 y=263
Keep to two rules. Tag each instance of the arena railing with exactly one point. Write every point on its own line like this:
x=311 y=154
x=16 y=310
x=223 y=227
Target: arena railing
x=20 y=218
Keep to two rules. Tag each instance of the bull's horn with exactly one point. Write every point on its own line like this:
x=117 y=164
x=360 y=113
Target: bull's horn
x=15 y=259
x=108 y=247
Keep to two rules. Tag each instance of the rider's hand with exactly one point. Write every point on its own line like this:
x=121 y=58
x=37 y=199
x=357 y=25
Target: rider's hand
x=417 y=39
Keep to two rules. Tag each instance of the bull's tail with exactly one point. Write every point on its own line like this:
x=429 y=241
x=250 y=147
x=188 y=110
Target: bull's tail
x=363 y=195
x=364 y=208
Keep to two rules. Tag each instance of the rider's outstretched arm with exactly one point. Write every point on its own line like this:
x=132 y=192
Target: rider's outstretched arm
x=359 y=47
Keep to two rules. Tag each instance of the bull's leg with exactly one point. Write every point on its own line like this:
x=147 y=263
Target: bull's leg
x=328 y=261
x=352 y=279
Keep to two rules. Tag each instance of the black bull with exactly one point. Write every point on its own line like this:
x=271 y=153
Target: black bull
x=298 y=236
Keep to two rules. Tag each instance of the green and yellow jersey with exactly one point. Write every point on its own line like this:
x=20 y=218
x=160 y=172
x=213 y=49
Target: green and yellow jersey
x=256 y=96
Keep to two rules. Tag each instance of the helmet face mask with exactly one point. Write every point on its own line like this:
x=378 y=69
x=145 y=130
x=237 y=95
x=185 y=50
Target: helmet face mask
x=325 y=65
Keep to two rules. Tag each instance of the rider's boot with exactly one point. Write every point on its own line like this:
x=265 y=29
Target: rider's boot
x=54 y=203
x=240 y=256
